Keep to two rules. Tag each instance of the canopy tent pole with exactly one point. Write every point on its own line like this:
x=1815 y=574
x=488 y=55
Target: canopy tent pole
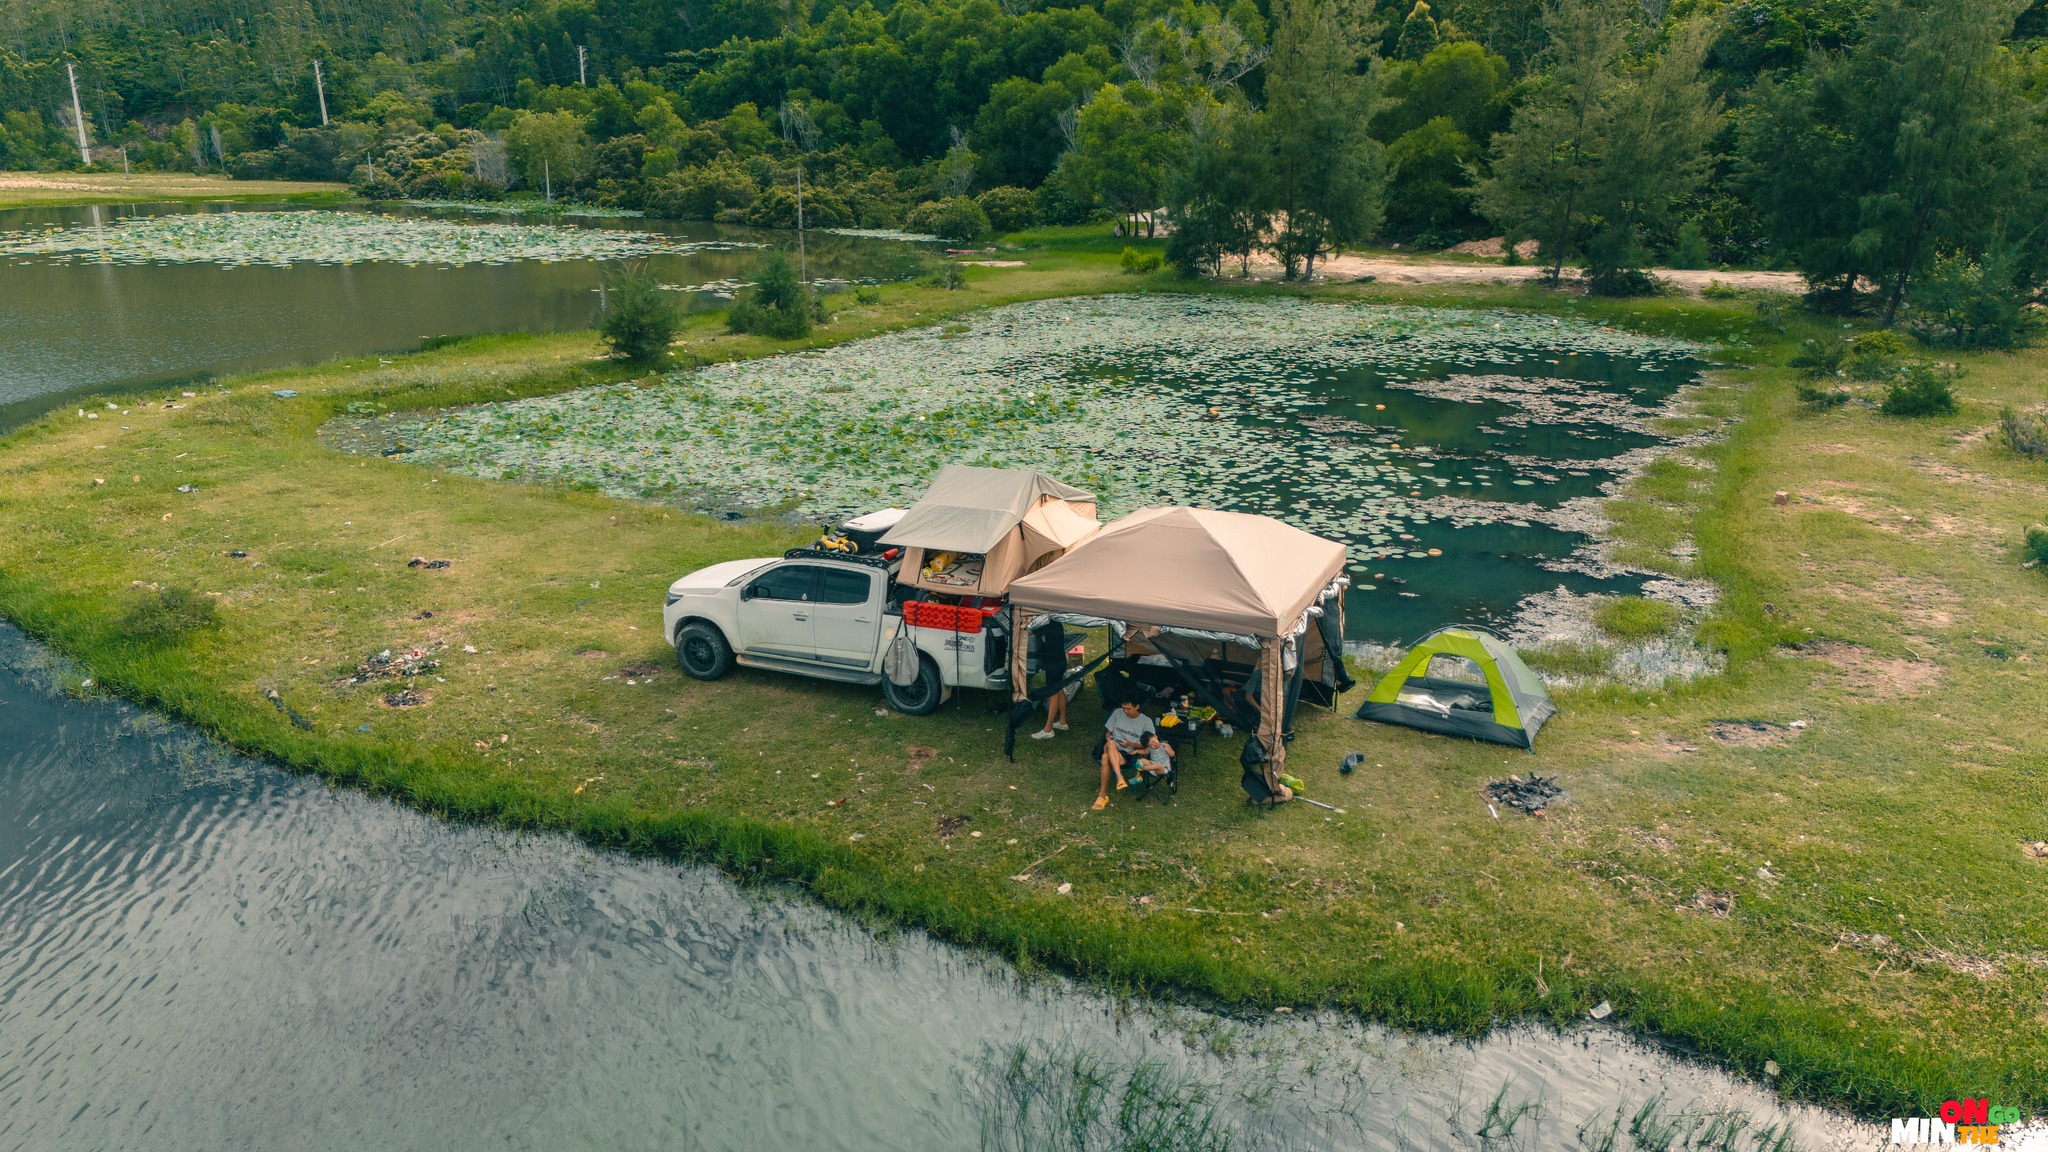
x=1020 y=628
x=1272 y=708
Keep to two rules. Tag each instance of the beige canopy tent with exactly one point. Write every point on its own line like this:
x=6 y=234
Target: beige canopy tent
x=1225 y=578
x=998 y=523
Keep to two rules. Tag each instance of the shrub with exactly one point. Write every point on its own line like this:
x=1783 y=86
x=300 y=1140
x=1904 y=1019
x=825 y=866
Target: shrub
x=1875 y=355
x=1821 y=399
x=639 y=317
x=947 y=276
x=867 y=295
x=1139 y=263
x=1634 y=618
x=167 y=617
x=2037 y=542
x=956 y=218
x=1009 y=209
x=1721 y=290
x=1922 y=390
x=1690 y=249
x=2024 y=432
x=1822 y=358
x=1962 y=303
x=704 y=191
x=778 y=304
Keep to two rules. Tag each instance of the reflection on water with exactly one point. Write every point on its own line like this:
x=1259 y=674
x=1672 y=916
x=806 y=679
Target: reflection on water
x=75 y=324
x=197 y=951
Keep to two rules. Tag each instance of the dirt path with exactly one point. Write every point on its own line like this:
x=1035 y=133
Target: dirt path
x=1424 y=270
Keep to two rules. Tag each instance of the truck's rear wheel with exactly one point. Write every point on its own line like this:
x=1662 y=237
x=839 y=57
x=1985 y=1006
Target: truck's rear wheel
x=702 y=651
x=922 y=696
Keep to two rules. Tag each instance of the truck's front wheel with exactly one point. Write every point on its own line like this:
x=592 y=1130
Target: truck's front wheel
x=922 y=696
x=702 y=651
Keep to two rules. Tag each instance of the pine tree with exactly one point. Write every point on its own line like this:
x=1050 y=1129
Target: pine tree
x=1872 y=164
x=1602 y=151
x=1327 y=179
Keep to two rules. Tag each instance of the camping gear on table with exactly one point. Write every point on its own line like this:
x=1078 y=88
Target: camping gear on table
x=1239 y=606
x=996 y=523
x=1463 y=681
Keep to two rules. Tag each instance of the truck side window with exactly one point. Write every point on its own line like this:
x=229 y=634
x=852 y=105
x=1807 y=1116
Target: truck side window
x=844 y=586
x=790 y=582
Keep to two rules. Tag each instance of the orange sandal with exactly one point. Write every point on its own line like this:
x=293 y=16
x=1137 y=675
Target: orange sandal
x=1101 y=802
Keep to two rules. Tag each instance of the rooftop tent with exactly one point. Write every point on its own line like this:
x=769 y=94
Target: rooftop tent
x=1228 y=577
x=998 y=523
x=1463 y=681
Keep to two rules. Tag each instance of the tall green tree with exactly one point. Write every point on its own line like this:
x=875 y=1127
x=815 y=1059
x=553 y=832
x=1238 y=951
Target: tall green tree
x=1604 y=148
x=1654 y=157
x=1545 y=163
x=1325 y=170
x=1874 y=163
x=549 y=148
x=1217 y=194
x=1124 y=144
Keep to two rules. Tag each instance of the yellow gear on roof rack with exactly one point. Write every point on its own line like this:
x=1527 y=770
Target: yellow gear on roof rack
x=837 y=544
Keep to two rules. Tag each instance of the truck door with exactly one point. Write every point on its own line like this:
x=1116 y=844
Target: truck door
x=775 y=613
x=848 y=615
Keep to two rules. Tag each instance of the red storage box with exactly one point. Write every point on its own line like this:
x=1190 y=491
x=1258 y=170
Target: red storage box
x=926 y=614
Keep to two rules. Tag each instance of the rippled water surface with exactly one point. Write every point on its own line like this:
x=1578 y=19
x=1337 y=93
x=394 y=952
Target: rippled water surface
x=197 y=951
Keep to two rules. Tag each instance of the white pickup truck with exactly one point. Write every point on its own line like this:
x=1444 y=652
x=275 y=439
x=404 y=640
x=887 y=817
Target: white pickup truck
x=833 y=617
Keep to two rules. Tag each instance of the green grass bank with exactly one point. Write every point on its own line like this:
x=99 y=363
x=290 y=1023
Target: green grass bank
x=1848 y=899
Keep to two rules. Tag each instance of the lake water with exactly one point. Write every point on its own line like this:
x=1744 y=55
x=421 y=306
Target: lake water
x=199 y=951
x=76 y=324
x=1463 y=456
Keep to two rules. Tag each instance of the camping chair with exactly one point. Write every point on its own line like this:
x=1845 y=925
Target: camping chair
x=1143 y=784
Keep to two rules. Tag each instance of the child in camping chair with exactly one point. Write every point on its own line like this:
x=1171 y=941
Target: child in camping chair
x=1157 y=758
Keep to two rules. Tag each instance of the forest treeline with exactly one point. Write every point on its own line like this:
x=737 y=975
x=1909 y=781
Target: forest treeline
x=1895 y=151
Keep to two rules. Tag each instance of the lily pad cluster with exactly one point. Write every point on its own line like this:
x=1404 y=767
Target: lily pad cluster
x=1246 y=404
x=280 y=239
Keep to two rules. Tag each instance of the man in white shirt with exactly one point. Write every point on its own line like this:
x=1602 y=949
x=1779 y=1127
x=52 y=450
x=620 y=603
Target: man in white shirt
x=1127 y=733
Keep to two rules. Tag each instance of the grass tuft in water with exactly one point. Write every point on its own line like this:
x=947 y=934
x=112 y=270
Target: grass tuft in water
x=1061 y=1099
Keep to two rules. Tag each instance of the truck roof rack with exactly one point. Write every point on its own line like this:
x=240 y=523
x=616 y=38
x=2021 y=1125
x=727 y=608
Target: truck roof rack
x=870 y=559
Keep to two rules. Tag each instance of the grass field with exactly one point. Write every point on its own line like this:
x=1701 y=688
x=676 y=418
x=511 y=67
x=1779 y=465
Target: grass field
x=34 y=189
x=1848 y=899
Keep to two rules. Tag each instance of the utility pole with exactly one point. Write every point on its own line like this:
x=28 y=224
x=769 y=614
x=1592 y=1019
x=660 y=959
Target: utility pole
x=547 y=179
x=582 y=57
x=799 y=131
x=320 y=86
x=78 y=115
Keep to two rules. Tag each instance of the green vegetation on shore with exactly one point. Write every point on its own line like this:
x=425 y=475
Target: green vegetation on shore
x=1892 y=151
x=50 y=189
x=1848 y=898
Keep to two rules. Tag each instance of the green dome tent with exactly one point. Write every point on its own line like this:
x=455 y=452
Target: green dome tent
x=1463 y=681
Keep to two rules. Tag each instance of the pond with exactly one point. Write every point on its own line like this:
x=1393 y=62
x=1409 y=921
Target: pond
x=199 y=951
x=107 y=295
x=1462 y=455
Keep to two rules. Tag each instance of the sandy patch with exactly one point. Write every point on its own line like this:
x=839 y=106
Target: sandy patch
x=1884 y=513
x=1750 y=733
x=1919 y=603
x=9 y=180
x=1496 y=248
x=1423 y=270
x=1871 y=675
